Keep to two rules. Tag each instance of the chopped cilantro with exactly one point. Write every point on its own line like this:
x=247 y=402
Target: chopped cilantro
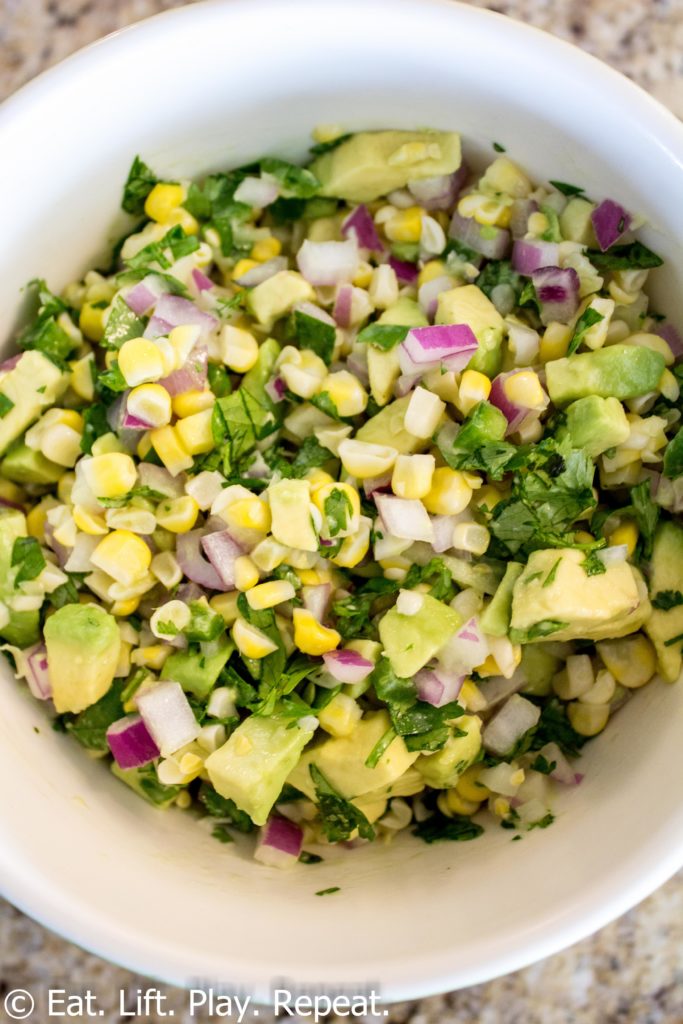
x=326 y=147
x=588 y=319
x=665 y=600
x=27 y=554
x=383 y=336
x=673 y=456
x=499 y=148
x=90 y=726
x=646 y=513
x=338 y=511
x=542 y=765
x=550 y=578
x=295 y=182
x=323 y=401
x=633 y=256
x=139 y=183
x=673 y=640
x=593 y=565
x=95 y=425
x=340 y=818
x=312 y=333
x=546 y=627
x=542 y=822
x=328 y=892
x=6 y=405
x=122 y=325
x=305 y=857
x=221 y=807
x=44 y=333
x=438 y=827
x=565 y=189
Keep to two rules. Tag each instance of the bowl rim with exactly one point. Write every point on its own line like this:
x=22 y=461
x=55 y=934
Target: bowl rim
x=638 y=875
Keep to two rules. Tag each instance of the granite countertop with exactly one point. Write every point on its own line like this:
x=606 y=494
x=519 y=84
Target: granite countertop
x=631 y=971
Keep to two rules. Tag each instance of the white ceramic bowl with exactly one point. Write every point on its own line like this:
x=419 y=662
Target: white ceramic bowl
x=207 y=87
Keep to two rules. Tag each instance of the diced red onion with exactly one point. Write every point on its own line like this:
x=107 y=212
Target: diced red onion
x=448 y=345
x=494 y=244
x=166 y=712
x=191 y=560
x=256 y=192
x=177 y=311
x=515 y=414
x=360 y=225
x=508 y=725
x=222 y=550
x=348 y=666
x=343 y=305
x=279 y=844
x=261 y=273
x=405 y=272
x=610 y=221
x=188 y=592
x=192 y=375
x=557 y=289
x=60 y=550
x=613 y=555
x=563 y=772
x=528 y=256
x=465 y=650
x=521 y=210
x=316 y=599
x=671 y=337
x=141 y=298
x=201 y=282
x=440 y=192
x=130 y=422
x=37 y=675
x=6 y=503
x=80 y=554
x=116 y=411
x=438 y=686
x=157 y=328
x=357 y=364
x=406 y=382
x=376 y=483
x=9 y=364
x=159 y=479
x=275 y=389
x=130 y=742
x=428 y=294
x=496 y=689
x=328 y=263
x=443 y=533
x=405 y=518
x=524 y=343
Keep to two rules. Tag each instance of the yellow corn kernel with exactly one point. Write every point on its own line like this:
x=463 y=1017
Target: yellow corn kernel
x=225 y=605
x=485 y=209
x=363 y=459
x=587 y=719
x=250 y=641
x=554 y=342
x=449 y=494
x=474 y=387
x=195 y=432
x=537 y=223
x=150 y=403
x=341 y=716
x=405 y=225
x=269 y=554
x=181 y=342
x=246 y=573
x=488 y=496
x=122 y=609
x=310 y=636
x=469 y=787
x=191 y=402
x=346 y=391
x=153 y=656
x=170 y=449
x=412 y=476
x=81 y=379
x=524 y=388
x=268 y=595
x=239 y=348
x=243 y=267
x=363 y=275
x=188 y=223
x=111 y=475
x=458 y=804
x=500 y=807
x=178 y=515
x=37 y=517
x=266 y=249
x=144 y=446
x=322 y=493
x=430 y=271
x=632 y=661
x=162 y=200
x=141 y=362
x=669 y=386
x=122 y=555
x=106 y=444
x=355 y=548
x=471 y=697
x=65 y=487
x=505 y=176
x=626 y=534
x=249 y=513
x=91 y=321
x=89 y=522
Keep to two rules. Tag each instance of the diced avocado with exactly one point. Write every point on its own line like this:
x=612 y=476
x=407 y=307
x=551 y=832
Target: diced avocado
x=405 y=312
x=197 y=673
x=34 y=384
x=410 y=641
x=666 y=573
x=484 y=425
x=575 y=221
x=372 y=164
x=384 y=369
x=596 y=424
x=252 y=767
x=23 y=465
x=442 y=769
x=482 y=576
x=22 y=628
x=538 y=668
x=278 y=294
x=555 y=588
x=495 y=619
x=255 y=379
x=469 y=305
x=342 y=759
x=145 y=783
x=291 y=514
x=386 y=427
x=619 y=371
x=83 y=643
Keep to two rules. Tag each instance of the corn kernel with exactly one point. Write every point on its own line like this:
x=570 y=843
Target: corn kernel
x=150 y=403
x=449 y=493
x=430 y=271
x=177 y=514
x=153 y=656
x=225 y=605
x=471 y=697
x=195 y=432
x=89 y=522
x=405 y=225
x=626 y=534
x=346 y=391
x=469 y=787
x=363 y=276
x=475 y=387
x=239 y=348
x=141 y=362
x=485 y=210
x=37 y=517
x=269 y=554
x=250 y=641
x=61 y=444
x=144 y=446
x=122 y=609
x=458 y=804
x=188 y=223
x=81 y=379
x=243 y=267
x=166 y=569
x=669 y=386
x=632 y=660
x=505 y=176
x=524 y=388
x=363 y=460
x=587 y=719
x=266 y=249
x=124 y=556
x=310 y=636
x=162 y=200
x=191 y=402
x=412 y=475
x=268 y=595
x=171 y=451
x=554 y=342
x=111 y=475
x=91 y=321
x=246 y=573
x=249 y=513
x=182 y=341
x=424 y=413
x=355 y=548
x=340 y=716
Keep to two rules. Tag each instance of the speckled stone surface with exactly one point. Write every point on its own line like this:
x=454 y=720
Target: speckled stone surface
x=631 y=971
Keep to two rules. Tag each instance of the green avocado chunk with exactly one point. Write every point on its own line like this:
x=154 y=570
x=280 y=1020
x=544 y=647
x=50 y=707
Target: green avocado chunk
x=386 y=427
x=442 y=769
x=596 y=424
x=252 y=767
x=23 y=465
x=197 y=673
x=33 y=385
x=83 y=643
x=411 y=640
x=666 y=574
x=538 y=668
x=278 y=294
x=619 y=371
x=22 y=628
x=495 y=619
x=372 y=164
x=575 y=221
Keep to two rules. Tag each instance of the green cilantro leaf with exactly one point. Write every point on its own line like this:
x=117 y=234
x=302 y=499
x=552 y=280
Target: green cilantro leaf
x=221 y=807
x=383 y=336
x=296 y=182
x=588 y=319
x=437 y=827
x=633 y=256
x=6 y=405
x=338 y=511
x=44 y=333
x=339 y=817
x=27 y=554
x=122 y=325
x=665 y=600
x=139 y=183
x=312 y=333
x=565 y=189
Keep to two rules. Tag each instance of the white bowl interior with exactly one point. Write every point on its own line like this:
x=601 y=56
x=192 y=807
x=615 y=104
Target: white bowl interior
x=148 y=889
